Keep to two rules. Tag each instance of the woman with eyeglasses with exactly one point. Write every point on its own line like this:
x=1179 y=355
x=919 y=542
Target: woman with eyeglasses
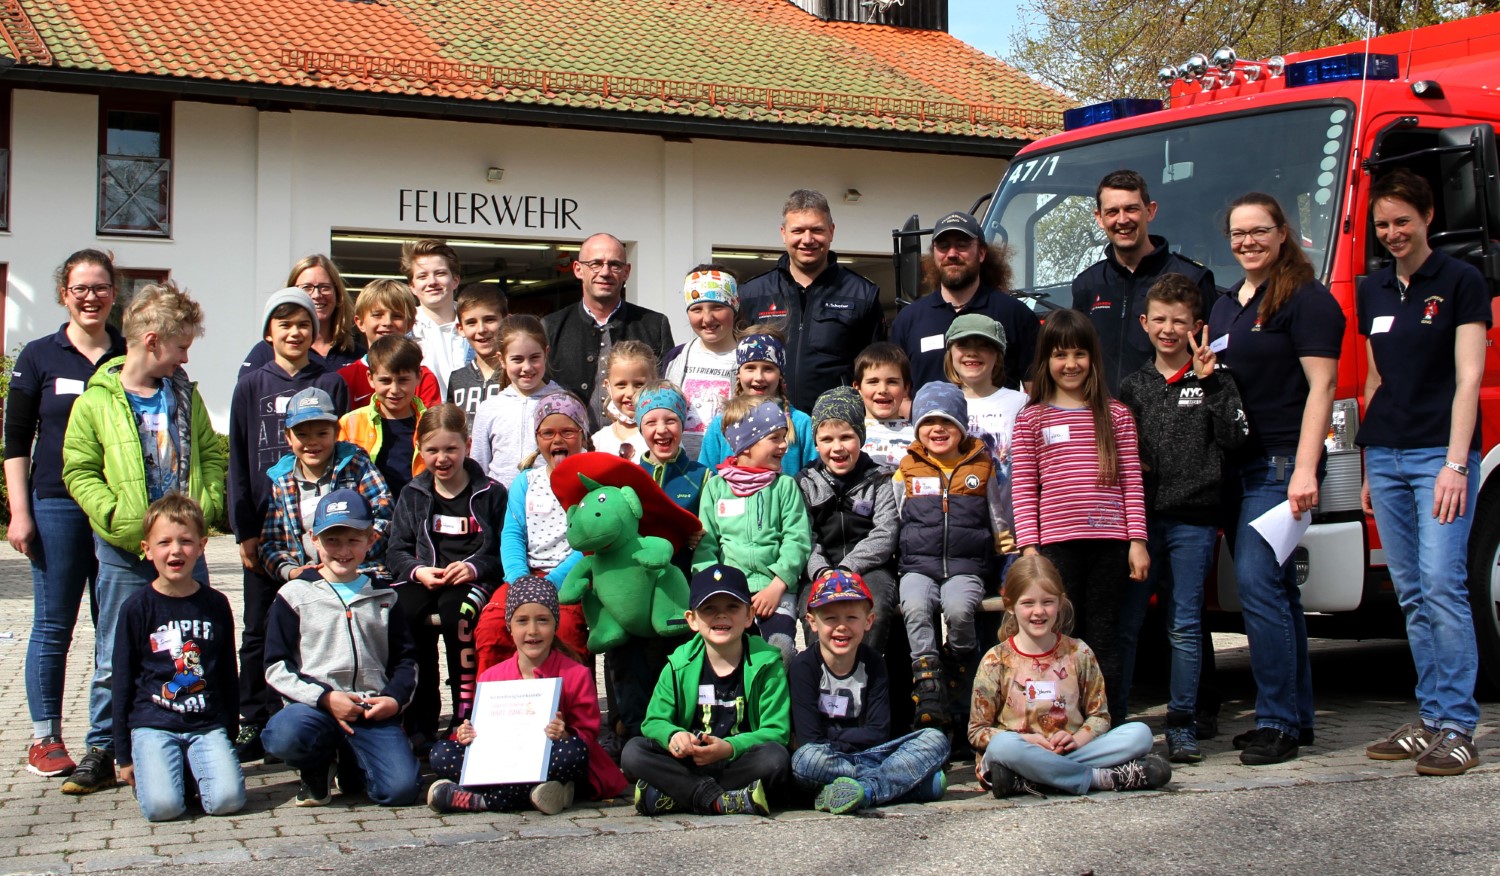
x=1424 y=318
x=1279 y=333
x=337 y=344
x=45 y=523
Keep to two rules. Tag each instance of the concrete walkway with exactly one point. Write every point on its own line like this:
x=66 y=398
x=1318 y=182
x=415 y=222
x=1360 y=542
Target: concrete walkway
x=41 y=830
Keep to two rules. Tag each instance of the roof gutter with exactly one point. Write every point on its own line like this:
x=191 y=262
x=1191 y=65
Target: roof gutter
x=292 y=97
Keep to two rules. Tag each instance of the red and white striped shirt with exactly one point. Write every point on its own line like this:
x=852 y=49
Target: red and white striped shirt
x=1055 y=487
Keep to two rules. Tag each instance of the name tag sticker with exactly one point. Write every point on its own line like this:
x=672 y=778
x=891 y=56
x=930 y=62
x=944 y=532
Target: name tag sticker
x=833 y=705
x=706 y=695
x=167 y=640
x=926 y=487
x=67 y=386
x=1378 y=325
x=447 y=524
x=281 y=401
x=1041 y=691
x=932 y=342
x=730 y=507
x=862 y=507
x=1219 y=344
x=1055 y=434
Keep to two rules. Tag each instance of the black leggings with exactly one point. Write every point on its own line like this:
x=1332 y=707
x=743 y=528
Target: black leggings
x=569 y=763
x=458 y=610
x=1094 y=571
x=699 y=786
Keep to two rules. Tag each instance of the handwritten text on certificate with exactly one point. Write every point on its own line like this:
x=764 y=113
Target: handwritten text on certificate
x=510 y=743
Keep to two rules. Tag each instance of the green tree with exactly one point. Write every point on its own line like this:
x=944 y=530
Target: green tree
x=1101 y=49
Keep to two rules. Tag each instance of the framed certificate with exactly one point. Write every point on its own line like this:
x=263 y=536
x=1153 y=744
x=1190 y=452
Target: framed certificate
x=510 y=743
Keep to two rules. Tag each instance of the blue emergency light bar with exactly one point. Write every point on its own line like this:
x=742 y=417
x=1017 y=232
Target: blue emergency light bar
x=1342 y=68
x=1109 y=111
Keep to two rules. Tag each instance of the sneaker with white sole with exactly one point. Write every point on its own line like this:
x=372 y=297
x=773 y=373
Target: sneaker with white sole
x=1450 y=754
x=1141 y=774
x=48 y=758
x=1409 y=741
x=550 y=798
x=316 y=786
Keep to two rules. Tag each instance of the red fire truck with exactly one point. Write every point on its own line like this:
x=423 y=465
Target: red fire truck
x=1311 y=129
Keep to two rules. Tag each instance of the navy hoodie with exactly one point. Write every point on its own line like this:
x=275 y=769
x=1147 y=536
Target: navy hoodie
x=257 y=435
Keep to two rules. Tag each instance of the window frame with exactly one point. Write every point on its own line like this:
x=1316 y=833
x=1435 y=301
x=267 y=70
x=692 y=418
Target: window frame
x=163 y=109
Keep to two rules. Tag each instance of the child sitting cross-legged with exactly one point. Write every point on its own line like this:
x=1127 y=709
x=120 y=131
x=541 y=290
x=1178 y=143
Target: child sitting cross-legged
x=1039 y=714
x=339 y=653
x=714 y=739
x=531 y=612
x=841 y=712
x=175 y=691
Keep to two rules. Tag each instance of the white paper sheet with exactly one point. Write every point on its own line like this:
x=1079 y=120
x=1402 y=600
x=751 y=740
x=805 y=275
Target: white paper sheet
x=1280 y=530
x=509 y=719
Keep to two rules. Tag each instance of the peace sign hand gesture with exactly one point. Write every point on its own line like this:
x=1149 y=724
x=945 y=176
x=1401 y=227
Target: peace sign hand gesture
x=1204 y=359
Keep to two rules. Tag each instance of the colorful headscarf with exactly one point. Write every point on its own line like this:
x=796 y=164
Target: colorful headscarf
x=841 y=403
x=712 y=286
x=762 y=420
x=529 y=589
x=760 y=348
x=564 y=403
x=665 y=398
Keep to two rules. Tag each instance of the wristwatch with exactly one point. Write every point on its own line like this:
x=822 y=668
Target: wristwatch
x=1461 y=469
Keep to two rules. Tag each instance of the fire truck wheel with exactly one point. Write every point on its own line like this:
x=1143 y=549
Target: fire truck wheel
x=1484 y=592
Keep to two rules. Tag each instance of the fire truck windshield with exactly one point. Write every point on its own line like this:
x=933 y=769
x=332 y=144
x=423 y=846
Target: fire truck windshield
x=1044 y=208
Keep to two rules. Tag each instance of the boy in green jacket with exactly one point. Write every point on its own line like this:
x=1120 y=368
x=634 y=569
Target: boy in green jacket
x=715 y=734
x=754 y=519
x=138 y=432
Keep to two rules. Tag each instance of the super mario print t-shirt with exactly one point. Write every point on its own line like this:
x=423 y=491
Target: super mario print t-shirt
x=174 y=665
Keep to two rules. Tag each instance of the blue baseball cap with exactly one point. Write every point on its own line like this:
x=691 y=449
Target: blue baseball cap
x=342 y=508
x=718 y=579
x=309 y=406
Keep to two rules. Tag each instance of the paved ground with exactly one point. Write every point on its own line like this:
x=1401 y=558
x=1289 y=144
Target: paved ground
x=1364 y=691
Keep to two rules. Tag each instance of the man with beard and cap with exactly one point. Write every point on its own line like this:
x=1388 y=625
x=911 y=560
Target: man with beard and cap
x=971 y=277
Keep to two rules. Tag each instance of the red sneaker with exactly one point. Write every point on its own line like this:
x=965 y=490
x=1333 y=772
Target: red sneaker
x=48 y=758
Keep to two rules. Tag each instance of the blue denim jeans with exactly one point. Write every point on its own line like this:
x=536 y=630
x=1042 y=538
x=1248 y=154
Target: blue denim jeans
x=1071 y=772
x=1429 y=566
x=1272 y=605
x=309 y=738
x=888 y=772
x=1180 y=554
x=159 y=757
x=121 y=575
x=62 y=567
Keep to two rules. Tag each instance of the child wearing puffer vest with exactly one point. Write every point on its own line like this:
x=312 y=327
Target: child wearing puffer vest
x=954 y=523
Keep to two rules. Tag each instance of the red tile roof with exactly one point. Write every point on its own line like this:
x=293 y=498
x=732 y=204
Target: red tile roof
x=762 y=61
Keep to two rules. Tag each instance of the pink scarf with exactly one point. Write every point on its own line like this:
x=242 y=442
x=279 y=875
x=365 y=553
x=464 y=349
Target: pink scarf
x=745 y=480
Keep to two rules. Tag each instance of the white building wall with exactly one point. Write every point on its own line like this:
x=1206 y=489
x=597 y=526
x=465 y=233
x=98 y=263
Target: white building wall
x=254 y=191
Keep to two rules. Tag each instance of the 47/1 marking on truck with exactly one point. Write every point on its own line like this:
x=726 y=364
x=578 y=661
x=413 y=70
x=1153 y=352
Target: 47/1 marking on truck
x=1036 y=168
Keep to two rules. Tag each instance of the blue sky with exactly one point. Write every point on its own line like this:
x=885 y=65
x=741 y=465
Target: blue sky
x=984 y=24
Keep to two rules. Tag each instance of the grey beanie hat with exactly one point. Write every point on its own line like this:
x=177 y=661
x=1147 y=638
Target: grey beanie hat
x=289 y=295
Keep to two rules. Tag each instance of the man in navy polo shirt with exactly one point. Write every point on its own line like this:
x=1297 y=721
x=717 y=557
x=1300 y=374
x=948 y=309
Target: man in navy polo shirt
x=828 y=313
x=972 y=277
x=1112 y=291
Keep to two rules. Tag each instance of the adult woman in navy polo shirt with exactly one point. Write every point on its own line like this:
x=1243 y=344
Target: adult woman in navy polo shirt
x=1279 y=332
x=45 y=523
x=1424 y=318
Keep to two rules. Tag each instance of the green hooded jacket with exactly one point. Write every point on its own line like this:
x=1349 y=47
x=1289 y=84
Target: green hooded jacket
x=674 y=703
x=104 y=467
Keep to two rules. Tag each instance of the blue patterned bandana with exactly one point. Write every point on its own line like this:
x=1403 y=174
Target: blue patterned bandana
x=760 y=348
x=529 y=589
x=762 y=420
x=663 y=398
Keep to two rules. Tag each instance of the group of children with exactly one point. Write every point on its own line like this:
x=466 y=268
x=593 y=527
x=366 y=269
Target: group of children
x=370 y=532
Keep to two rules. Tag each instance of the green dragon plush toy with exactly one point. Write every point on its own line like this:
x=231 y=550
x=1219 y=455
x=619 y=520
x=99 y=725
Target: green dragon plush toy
x=628 y=585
